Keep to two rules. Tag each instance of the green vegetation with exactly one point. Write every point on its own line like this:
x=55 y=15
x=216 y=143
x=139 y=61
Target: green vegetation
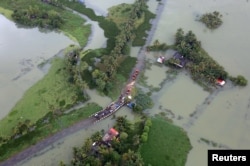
x=52 y=93
x=157 y=46
x=204 y=70
x=51 y=123
x=239 y=80
x=109 y=27
x=167 y=144
x=211 y=20
x=121 y=150
x=141 y=30
x=35 y=16
x=46 y=15
x=107 y=63
x=120 y=14
x=7 y=13
x=201 y=66
x=143 y=101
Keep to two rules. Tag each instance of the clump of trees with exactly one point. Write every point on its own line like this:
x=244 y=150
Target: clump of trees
x=143 y=101
x=212 y=20
x=201 y=66
x=239 y=80
x=157 y=46
x=35 y=16
x=75 y=70
x=105 y=75
x=147 y=125
x=123 y=150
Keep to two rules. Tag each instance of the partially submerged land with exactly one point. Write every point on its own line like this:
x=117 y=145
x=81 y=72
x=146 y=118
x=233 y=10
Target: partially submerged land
x=203 y=69
x=90 y=68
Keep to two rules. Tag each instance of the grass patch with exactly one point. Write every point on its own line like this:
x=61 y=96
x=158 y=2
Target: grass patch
x=120 y=14
x=75 y=29
x=7 y=13
x=140 y=32
x=43 y=97
x=43 y=130
x=167 y=144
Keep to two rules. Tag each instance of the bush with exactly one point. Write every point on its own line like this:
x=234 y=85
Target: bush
x=239 y=80
x=211 y=20
x=144 y=137
x=146 y=129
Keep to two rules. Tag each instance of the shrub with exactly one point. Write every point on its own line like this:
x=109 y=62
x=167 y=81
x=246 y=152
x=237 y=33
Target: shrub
x=239 y=80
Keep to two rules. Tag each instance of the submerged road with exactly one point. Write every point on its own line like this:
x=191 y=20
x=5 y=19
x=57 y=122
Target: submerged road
x=31 y=151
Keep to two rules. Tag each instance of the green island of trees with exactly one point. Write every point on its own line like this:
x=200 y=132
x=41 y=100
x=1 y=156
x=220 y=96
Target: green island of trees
x=122 y=150
x=201 y=66
x=145 y=142
x=212 y=20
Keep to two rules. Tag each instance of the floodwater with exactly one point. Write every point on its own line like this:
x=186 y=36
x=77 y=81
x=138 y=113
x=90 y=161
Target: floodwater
x=224 y=116
x=21 y=51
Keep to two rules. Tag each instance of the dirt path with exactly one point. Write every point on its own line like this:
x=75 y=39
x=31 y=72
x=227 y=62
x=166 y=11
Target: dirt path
x=31 y=151
x=142 y=53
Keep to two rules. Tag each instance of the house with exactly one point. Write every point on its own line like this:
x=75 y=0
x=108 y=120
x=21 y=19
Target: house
x=111 y=134
x=179 y=60
x=220 y=82
x=161 y=59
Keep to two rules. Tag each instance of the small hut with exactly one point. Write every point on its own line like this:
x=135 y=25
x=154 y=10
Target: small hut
x=180 y=61
x=111 y=134
x=161 y=59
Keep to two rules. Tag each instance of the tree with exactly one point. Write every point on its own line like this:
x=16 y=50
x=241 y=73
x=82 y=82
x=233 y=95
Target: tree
x=144 y=137
x=123 y=135
x=132 y=158
x=136 y=140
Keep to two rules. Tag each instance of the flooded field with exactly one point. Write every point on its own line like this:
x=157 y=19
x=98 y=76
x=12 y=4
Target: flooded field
x=155 y=75
x=212 y=120
x=21 y=51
